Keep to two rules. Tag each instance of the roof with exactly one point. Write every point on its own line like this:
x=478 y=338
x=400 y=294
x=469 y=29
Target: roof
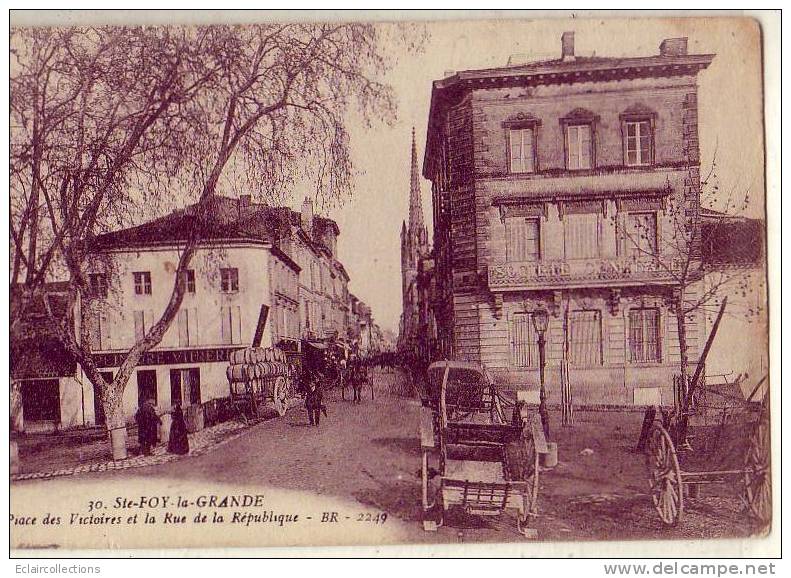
x=731 y=240
x=222 y=219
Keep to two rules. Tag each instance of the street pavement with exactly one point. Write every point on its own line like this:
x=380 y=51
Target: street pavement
x=354 y=480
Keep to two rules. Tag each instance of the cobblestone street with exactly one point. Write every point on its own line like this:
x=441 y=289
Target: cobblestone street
x=366 y=458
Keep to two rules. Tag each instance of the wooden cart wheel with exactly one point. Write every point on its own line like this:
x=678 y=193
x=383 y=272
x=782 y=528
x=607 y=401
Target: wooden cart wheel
x=280 y=395
x=664 y=476
x=757 y=474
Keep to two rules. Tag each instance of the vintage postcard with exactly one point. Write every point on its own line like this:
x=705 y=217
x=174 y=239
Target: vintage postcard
x=389 y=279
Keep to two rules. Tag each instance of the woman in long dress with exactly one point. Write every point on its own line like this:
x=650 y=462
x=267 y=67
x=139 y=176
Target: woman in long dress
x=178 y=442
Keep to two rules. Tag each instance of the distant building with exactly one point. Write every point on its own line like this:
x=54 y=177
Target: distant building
x=48 y=390
x=735 y=263
x=540 y=174
x=414 y=247
x=240 y=283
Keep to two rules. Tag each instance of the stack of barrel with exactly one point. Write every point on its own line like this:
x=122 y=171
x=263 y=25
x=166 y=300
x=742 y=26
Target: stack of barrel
x=261 y=379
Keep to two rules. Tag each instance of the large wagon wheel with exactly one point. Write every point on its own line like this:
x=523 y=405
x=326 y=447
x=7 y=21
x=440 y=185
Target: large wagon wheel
x=664 y=475
x=757 y=474
x=280 y=395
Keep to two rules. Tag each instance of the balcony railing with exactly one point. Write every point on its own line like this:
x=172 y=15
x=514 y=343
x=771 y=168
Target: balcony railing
x=515 y=276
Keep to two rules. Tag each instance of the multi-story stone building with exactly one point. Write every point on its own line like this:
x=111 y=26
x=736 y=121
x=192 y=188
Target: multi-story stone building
x=551 y=183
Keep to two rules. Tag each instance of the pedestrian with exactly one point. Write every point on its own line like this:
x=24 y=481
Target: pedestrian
x=357 y=384
x=147 y=426
x=178 y=442
x=313 y=401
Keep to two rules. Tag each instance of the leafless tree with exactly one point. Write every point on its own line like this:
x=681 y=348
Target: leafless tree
x=689 y=250
x=111 y=123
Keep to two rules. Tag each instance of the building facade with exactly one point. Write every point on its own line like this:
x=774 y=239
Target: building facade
x=414 y=247
x=551 y=184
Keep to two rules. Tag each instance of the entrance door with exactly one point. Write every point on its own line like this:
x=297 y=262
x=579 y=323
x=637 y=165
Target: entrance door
x=146 y=385
x=41 y=400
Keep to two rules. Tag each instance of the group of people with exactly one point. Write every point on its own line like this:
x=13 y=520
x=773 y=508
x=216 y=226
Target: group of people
x=148 y=422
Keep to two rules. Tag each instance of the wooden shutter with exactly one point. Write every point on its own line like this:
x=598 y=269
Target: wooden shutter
x=581 y=235
x=192 y=325
x=183 y=325
x=236 y=330
x=140 y=325
x=225 y=329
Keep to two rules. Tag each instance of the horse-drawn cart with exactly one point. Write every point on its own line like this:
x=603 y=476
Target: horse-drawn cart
x=260 y=379
x=676 y=473
x=472 y=456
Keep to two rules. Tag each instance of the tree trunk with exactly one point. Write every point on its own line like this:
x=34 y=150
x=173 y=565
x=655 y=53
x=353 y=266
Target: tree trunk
x=681 y=419
x=116 y=420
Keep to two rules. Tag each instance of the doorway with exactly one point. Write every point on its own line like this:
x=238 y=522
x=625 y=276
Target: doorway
x=146 y=385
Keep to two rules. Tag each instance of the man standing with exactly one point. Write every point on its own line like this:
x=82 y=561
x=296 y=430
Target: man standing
x=147 y=426
x=313 y=400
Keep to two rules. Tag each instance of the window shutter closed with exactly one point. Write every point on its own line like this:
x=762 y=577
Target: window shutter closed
x=183 y=323
x=225 y=317
x=237 y=324
x=140 y=325
x=581 y=235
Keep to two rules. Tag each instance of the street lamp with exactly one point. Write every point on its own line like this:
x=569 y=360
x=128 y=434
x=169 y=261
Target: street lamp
x=540 y=323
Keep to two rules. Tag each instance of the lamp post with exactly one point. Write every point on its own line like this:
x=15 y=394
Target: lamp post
x=540 y=323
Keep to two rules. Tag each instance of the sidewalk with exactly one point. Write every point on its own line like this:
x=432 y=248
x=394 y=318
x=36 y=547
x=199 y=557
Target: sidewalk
x=74 y=453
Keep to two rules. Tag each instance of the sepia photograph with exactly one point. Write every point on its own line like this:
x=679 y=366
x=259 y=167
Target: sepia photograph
x=372 y=279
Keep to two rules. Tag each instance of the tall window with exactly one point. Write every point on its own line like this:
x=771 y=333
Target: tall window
x=142 y=282
x=229 y=279
x=579 y=148
x=524 y=344
x=189 y=280
x=644 y=336
x=585 y=340
x=185 y=386
x=97 y=284
x=638 y=143
x=188 y=327
x=523 y=239
x=641 y=238
x=231 y=325
x=522 y=152
x=581 y=235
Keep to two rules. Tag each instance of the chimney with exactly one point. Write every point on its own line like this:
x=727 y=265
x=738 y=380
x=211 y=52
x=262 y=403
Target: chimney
x=567 y=43
x=673 y=47
x=307 y=216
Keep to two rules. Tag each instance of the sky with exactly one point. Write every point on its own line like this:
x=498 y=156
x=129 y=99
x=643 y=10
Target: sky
x=730 y=117
x=730 y=111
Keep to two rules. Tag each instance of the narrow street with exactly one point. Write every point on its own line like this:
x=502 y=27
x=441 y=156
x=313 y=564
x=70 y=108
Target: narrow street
x=362 y=462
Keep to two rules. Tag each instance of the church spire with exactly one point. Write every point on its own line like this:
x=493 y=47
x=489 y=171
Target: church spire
x=415 y=203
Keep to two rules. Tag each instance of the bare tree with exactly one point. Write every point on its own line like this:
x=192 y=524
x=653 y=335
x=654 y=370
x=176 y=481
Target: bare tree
x=107 y=121
x=686 y=249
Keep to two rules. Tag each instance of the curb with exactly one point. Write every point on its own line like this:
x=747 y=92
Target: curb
x=160 y=457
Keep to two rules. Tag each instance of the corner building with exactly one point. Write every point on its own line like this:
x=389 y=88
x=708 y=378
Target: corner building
x=539 y=173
